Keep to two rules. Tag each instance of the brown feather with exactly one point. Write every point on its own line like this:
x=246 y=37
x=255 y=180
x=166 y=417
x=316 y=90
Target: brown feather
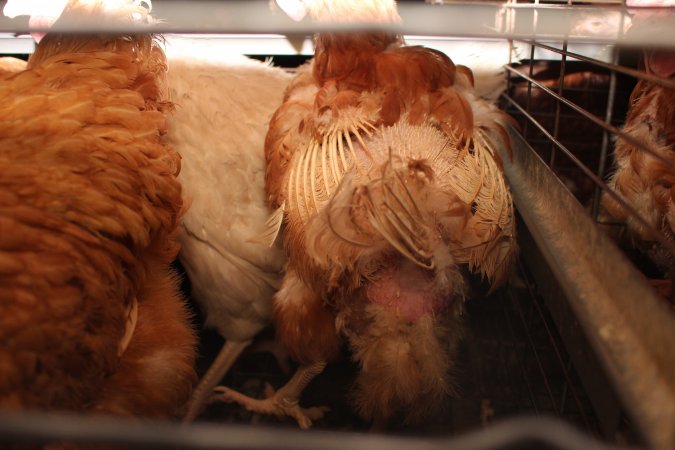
x=384 y=159
x=88 y=219
x=305 y=325
x=643 y=180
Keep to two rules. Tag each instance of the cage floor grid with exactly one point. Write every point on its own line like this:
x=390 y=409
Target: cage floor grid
x=511 y=362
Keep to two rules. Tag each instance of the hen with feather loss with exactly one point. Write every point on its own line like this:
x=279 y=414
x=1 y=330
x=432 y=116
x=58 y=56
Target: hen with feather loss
x=385 y=167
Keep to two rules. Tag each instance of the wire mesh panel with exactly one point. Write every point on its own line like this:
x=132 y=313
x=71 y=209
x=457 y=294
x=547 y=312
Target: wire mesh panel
x=512 y=362
x=571 y=94
x=571 y=108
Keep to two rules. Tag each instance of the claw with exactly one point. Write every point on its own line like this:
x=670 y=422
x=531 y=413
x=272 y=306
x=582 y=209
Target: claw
x=269 y=391
x=312 y=414
x=274 y=403
x=282 y=403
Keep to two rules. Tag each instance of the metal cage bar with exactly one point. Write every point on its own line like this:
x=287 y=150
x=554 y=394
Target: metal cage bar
x=613 y=66
x=526 y=431
x=597 y=180
x=593 y=118
x=539 y=21
x=602 y=287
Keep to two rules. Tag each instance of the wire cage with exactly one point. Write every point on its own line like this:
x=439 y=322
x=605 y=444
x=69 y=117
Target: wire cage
x=573 y=122
x=576 y=352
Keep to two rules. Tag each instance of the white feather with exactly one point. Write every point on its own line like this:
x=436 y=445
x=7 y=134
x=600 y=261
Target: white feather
x=224 y=104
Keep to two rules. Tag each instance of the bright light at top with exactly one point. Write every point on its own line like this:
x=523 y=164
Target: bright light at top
x=44 y=8
x=295 y=9
x=54 y=8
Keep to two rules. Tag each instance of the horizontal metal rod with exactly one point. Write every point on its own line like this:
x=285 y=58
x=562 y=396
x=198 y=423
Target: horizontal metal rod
x=596 y=120
x=656 y=234
x=548 y=114
x=36 y=428
x=485 y=20
x=615 y=67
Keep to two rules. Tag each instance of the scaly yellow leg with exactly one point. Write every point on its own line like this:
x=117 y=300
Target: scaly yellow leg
x=282 y=403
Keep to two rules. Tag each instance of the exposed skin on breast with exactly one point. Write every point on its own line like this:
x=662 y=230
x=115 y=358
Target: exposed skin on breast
x=408 y=289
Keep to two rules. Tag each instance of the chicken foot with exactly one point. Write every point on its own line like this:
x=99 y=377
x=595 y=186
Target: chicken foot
x=281 y=403
x=226 y=357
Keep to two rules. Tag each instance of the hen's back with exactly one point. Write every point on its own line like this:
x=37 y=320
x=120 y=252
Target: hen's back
x=88 y=191
x=224 y=103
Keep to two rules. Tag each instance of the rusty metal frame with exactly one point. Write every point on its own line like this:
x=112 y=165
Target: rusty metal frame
x=628 y=326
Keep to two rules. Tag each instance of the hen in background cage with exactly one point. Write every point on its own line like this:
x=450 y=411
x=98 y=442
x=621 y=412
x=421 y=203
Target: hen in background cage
x=572 y=108
x=568 y=338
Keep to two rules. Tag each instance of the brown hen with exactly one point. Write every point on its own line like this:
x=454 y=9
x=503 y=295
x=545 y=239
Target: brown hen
x=645 y=182
x=382 y=163
x=91 y=317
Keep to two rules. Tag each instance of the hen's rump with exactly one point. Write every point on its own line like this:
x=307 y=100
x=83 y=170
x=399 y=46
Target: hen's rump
x=90 y=313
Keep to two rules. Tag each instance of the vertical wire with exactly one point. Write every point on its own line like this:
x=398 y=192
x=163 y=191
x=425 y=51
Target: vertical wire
x=506 y=72
x=567 y=386
x=528 y=100
x=604 y=148
x=534 y=404
x=526 y=322
x=561 y=85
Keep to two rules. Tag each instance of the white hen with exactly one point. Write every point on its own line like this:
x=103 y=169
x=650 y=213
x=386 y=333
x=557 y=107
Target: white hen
x=223 y=106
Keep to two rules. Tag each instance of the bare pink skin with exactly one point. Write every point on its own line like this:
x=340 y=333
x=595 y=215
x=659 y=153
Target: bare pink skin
x=660 y=62
x=646 y=13
x=40 y=23
x=408 y=289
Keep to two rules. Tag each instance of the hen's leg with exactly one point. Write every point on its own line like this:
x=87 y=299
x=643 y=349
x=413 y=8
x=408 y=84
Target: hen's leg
x=227 y=356
x=306 y=328
x=285 y=401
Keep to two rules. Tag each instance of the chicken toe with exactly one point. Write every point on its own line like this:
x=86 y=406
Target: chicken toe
x=277 y=404
x=281 y=403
